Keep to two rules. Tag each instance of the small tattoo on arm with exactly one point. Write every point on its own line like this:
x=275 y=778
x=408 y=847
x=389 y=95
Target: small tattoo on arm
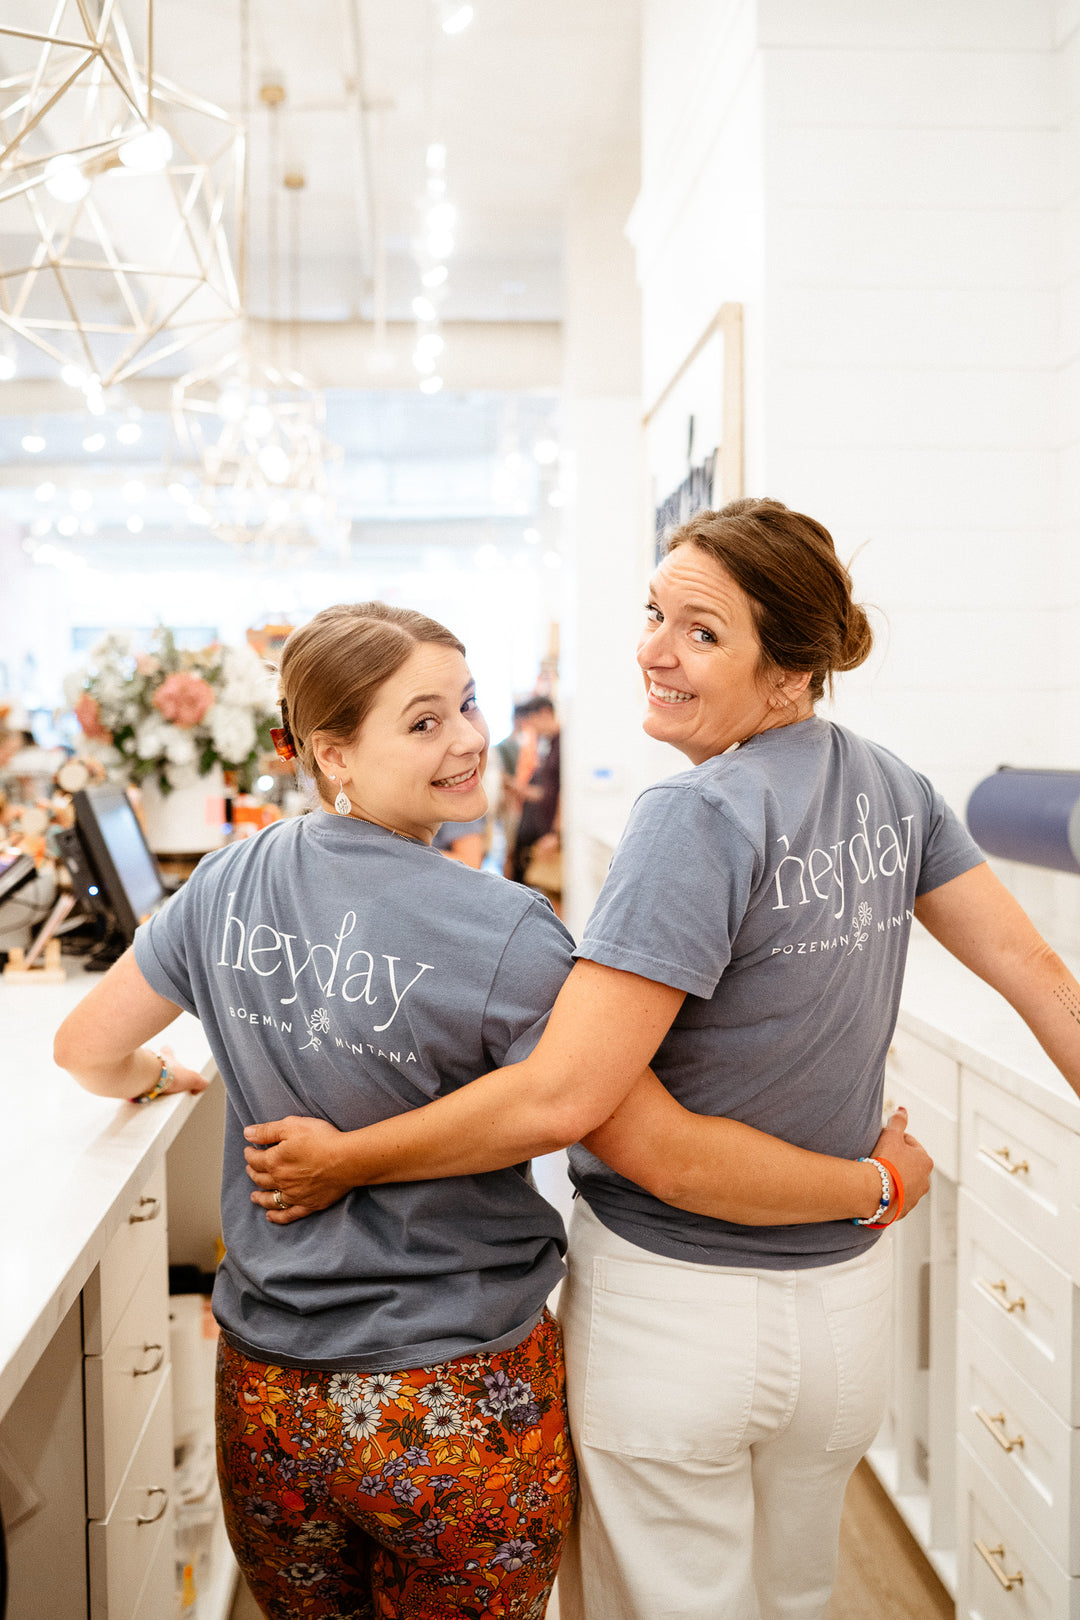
x=1069 y=1000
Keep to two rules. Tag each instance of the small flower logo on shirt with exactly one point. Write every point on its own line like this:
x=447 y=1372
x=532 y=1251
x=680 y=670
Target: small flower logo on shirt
x=860 y=926
x=317 y=1024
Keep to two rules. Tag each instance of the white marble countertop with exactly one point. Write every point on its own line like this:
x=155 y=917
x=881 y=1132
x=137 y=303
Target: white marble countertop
x=947 y=1006
x=74 y=1165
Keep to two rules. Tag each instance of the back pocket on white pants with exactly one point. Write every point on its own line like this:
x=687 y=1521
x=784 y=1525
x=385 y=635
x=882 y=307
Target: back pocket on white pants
x=671 y=1361
x=858 y=1309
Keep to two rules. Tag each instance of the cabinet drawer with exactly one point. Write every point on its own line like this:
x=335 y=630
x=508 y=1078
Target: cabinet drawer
x=1004 y=1571
x=1024 y=1305
x=1025 y=1447
x=112 y=1284
x=1019 y=1162
x=122 y=1384
x=123 y=1547
x=928 y=1084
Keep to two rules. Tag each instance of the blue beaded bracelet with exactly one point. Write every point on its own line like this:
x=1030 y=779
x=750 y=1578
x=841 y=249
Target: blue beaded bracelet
x=162 y=1083
x=886 y=1196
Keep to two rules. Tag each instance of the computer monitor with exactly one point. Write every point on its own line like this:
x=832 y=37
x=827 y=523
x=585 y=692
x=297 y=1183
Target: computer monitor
x=116 y=849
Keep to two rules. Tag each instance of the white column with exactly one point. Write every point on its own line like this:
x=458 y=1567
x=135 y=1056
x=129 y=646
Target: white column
x=606 y=549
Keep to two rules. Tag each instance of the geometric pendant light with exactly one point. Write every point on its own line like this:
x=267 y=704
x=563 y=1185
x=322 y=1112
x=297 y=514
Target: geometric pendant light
x=256 y=435
x=117 y=193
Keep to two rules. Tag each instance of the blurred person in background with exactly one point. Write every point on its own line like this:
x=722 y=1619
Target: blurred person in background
x=538 y=827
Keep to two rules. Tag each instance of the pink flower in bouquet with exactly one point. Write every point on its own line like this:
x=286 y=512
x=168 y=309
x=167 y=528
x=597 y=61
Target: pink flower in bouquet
x=147 y=664
x=88 y=714
x=184 y=698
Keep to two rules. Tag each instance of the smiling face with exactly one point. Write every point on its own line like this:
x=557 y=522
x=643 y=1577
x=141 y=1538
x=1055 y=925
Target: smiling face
x=418 y=759
x=701 y=660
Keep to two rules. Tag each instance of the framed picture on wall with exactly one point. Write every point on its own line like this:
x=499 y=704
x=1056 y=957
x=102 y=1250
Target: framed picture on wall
x=694 y=428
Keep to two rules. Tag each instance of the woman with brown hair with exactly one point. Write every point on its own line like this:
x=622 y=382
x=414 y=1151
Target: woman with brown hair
x=391 y=1422
x=750 y=942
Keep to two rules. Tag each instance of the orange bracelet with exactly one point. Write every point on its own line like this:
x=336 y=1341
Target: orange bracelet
x=879 y=1226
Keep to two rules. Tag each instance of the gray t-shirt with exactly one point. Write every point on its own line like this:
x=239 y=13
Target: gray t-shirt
x=775 y=885
x=343 y=971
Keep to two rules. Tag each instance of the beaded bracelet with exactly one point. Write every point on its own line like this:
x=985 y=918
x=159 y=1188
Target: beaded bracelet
x=898 y=1187
x=886 y=1196
x=162 y=1083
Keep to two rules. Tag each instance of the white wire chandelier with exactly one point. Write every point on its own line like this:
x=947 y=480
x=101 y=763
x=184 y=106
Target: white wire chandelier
x=116 y=191
x=255 y=428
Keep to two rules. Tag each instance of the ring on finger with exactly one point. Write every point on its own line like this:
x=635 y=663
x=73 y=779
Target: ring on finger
x=279 y=1201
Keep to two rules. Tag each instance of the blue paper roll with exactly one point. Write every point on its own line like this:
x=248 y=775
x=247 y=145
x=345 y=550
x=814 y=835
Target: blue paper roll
x=1031 y=816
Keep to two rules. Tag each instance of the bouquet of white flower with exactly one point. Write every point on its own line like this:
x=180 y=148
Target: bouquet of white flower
x=175 y=714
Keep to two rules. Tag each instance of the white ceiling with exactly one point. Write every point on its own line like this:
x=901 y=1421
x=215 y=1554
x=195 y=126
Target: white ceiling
x=526 y=99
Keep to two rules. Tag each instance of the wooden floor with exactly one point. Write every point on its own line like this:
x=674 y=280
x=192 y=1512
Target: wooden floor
x=882 y=1572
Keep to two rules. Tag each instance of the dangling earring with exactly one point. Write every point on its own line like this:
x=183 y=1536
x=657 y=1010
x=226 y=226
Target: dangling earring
x=342 y=804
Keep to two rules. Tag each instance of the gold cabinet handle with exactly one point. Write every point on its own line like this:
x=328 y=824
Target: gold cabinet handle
x=148 y=1349
x=152 y=1518
x=1004 y=1160
x=990 y=1555
x=1001 y=1287
x=996 y=1425
x=151 y=1214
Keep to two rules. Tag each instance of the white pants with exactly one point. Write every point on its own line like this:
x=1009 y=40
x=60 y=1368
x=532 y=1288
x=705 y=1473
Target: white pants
x=717 y=1414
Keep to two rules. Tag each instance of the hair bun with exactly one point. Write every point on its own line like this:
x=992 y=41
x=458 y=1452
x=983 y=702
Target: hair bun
x=858 y=638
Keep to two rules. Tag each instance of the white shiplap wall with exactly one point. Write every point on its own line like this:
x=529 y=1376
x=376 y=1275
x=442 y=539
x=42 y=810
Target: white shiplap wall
x=893 y=192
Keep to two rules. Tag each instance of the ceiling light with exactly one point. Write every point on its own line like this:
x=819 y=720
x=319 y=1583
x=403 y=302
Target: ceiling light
x=430 y=343
x=95 y=399
x=33 y=443
x=456 y=19
x=45 y=492
x=436 y=155
x=94 y=442
x=129 y=433
x=64 y=179
x=442 y=217
x=546 y=452
x=134 y=490
x=68 y=523
x=149 y=152
x=135 y=523
x=230 y=404
x=181 y=494
x=81 y=500
x=259 y=420
x=440 y=245
x=436 y=186
x=199 y=514
x=431 y=385
x=435 y=276
x=7 y=368
x=74 y=376
x=423 y=308
x=424 y=362
x=274 y=463
x=531 y=537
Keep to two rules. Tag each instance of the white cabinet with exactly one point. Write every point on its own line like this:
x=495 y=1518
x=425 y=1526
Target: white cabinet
x=97 y=1524
x=981 y=1451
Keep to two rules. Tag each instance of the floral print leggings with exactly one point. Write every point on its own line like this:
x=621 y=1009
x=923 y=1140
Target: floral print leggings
x=438 y=1492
